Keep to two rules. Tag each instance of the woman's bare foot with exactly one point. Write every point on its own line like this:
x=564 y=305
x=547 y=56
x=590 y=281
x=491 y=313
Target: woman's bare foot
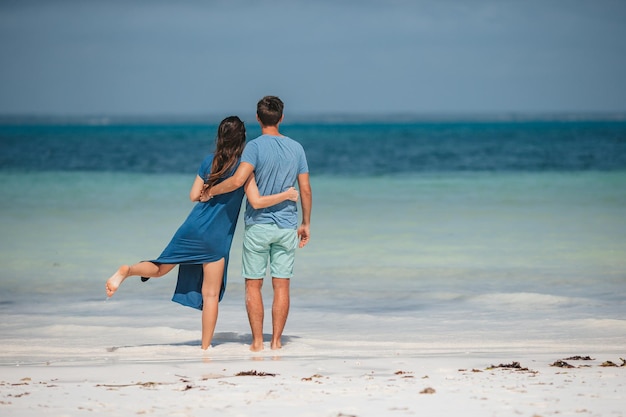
x=116 y=279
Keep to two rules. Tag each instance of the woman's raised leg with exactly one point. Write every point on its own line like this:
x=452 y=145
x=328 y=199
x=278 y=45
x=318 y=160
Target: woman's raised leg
x=142 y=269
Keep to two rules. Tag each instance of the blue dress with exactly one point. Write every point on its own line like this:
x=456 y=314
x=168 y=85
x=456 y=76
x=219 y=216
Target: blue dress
x=205 y=236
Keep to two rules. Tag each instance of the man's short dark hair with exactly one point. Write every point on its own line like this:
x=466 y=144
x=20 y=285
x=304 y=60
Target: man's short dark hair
x=270 y=110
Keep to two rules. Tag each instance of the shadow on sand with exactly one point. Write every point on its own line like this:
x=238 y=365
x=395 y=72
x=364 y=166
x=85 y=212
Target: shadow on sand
x=218 y=339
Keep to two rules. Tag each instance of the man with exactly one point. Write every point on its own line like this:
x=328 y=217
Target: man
x=272 y=233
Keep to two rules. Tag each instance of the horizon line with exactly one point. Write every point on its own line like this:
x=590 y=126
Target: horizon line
x=312 y=117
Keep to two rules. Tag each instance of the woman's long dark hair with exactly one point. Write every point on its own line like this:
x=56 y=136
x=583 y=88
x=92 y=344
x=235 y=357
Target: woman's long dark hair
x=229 y=144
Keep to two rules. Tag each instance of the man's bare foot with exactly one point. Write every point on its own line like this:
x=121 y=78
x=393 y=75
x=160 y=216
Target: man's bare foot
x=257 y=346
x=116 y=279
x=276 y=345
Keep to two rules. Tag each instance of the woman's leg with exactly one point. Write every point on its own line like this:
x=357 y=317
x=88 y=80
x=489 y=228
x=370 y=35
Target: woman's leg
x=211 y=285
x=142 y=269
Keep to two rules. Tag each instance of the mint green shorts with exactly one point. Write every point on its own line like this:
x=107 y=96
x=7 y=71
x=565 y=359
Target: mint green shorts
x=265 y=244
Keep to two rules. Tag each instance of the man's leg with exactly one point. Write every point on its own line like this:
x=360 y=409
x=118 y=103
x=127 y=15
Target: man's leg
x=280 y=310
x=254 y=307
x=282 y=257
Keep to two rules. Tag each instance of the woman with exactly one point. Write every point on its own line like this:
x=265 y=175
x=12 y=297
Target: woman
x=202 y=243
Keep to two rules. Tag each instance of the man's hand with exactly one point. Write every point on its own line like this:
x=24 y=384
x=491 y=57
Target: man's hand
x=304 y=235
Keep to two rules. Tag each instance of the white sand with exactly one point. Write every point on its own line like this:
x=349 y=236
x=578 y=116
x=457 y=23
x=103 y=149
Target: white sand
x=130 y=358
x=120 y=383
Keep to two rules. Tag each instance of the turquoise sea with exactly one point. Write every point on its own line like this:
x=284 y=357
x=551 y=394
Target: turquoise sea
x=426 y=235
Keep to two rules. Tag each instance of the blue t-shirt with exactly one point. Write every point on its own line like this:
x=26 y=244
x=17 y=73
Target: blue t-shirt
x=277 y=161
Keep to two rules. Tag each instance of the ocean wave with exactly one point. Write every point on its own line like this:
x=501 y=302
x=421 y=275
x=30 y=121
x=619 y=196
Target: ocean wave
x=526 y=300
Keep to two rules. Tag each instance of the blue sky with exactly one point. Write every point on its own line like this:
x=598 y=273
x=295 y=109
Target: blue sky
x=188 y=57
